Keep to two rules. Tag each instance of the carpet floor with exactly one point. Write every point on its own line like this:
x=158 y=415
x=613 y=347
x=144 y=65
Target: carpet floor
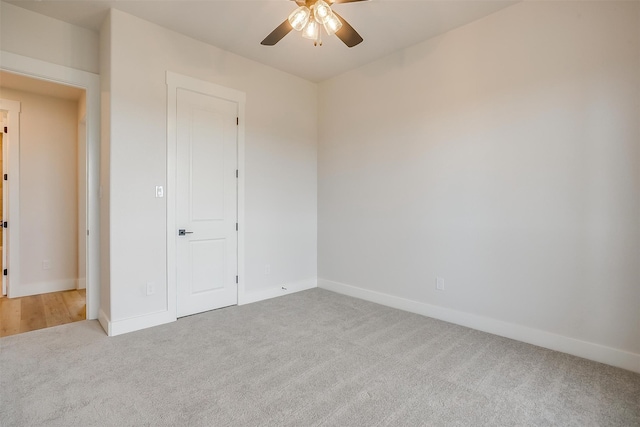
x=314 y=358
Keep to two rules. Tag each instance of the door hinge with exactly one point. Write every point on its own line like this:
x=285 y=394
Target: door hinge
x=6 y=129
x=5 y=224
x=236 y=277
x=6 y=176
x=5 y=272
x=237 y=121
x=236 y=173
x=236 y=226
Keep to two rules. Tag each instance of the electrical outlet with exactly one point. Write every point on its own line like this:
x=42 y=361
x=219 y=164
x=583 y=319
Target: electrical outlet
x=151 y=288
x=46 y=264
x=440 y=283
x=267 y=269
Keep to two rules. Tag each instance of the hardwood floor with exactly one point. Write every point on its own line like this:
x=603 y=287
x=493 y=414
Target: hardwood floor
x=18 y=315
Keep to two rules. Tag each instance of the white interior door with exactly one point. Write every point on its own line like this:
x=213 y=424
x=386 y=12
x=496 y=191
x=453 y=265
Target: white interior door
x=206 y=203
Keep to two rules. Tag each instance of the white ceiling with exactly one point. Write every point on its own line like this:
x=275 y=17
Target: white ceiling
x=239 y=26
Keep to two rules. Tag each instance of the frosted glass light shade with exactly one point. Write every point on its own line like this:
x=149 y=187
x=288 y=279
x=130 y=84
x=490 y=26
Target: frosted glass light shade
x=311 y=30
x=332 y=24
x=299 y=18
x=322 y=11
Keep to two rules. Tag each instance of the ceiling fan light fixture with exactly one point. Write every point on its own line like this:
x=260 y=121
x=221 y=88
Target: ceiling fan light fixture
x=309 y=17
x=299 y=18
x=322 y=11
x=332 y=25
x=311 y=30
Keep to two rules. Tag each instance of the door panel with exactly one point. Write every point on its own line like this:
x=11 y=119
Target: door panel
x=207 y=166
x=206 y=275
x=206 y=202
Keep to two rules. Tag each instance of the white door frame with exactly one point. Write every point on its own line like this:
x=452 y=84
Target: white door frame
x=90 y=82
x=11 y=211
x=11 y=201
x=175 y=81
x=5 y=203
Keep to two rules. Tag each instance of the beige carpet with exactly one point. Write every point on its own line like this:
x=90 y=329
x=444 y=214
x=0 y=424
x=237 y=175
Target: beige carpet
x=311 y=358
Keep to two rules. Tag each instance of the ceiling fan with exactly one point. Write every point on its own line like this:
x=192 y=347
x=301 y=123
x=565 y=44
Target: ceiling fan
x=309 y=17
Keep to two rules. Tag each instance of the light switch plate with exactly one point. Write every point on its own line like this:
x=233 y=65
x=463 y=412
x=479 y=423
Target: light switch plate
x=159 y=191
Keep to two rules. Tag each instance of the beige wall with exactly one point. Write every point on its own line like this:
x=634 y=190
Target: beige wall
x=279 y=170
x=82 y=192
x=48 y=190
x=37 y=36
x=503 y=156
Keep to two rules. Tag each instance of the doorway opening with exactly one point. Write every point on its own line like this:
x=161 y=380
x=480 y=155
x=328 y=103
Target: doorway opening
x=45 y=209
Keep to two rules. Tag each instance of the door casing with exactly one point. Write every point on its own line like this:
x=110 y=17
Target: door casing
x=10 y=194
x=90 y=82
x=175 y=81
x=7 y=108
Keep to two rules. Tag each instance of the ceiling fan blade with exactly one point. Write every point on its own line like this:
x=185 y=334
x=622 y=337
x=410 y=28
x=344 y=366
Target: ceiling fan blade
x=347 y=34
x=277 y=34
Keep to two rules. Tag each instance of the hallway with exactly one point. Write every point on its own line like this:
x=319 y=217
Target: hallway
x=18 y=315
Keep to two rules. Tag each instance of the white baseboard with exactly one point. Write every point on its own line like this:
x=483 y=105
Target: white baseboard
x=118 y=327
x=82 y=283
x=133 y=324
x=278 y=291
x=25 y=290
x=599 y=353
x=103 y=319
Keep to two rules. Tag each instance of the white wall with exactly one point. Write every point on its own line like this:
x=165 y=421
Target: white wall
x=37 y=36
x=105 y=156
x=48 y=192
x=279 y=170
x=503 y=156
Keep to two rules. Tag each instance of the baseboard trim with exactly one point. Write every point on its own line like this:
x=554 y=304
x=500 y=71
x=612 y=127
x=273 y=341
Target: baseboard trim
x=28 y=289
x=119 y=327
x=103 y=319
x=596 y=352
x=285 y=289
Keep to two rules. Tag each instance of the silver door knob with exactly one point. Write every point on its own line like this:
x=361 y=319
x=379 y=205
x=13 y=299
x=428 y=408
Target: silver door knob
x=183 y=232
